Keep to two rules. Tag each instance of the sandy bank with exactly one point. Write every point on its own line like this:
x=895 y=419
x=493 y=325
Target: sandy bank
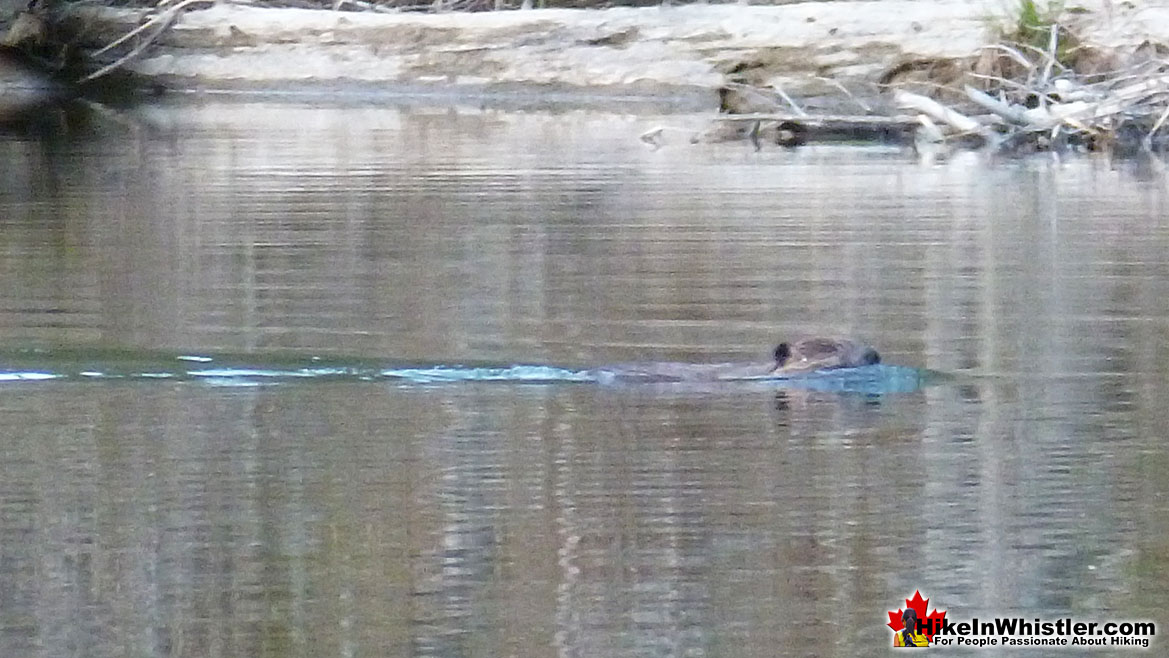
x=684 y=52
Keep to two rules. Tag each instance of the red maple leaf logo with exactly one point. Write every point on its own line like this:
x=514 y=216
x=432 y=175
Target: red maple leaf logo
x=930 y=623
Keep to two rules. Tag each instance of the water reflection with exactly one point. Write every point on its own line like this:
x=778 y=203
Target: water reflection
x=348 y=517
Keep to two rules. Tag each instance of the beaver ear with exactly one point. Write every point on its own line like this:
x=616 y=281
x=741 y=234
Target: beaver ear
x=782 y=352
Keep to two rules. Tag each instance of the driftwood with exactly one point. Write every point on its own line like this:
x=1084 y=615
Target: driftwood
x=842 y=122
x=791 y=129
x=936 y=111
x=1011 y=113
x=1050 y=103
x=1022 y=96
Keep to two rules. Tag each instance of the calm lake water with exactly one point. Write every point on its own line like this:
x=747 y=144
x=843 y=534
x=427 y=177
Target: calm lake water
x=350 y=516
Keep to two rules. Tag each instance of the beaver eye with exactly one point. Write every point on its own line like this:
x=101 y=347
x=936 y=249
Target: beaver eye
x=782 y=352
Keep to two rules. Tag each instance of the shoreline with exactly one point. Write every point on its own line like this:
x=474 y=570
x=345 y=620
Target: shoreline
x=499 y=96
x=674 y=54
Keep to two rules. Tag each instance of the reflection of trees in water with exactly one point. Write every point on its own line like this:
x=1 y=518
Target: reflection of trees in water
x=686 y=531
x=458 y=595
x=300 y=228
x=311 y=520
x=486 y=519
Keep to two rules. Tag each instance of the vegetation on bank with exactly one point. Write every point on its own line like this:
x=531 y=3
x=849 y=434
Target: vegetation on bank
x=1042 y=86
x=1039 y=86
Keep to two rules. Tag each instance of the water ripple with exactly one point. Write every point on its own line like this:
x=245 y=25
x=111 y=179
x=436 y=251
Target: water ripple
x=226 y=370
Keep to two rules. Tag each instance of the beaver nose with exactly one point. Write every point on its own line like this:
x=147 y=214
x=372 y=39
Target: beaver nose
x=870 y=357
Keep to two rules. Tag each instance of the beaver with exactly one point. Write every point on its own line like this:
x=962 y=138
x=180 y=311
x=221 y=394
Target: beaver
x=812 y=354
x=789 y=358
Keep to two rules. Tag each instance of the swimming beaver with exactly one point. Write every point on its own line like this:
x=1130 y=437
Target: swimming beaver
x=811 y=354
x=790 y=358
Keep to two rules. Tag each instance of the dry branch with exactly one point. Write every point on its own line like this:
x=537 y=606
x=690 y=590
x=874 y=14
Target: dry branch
x=936 y=111
x=161 y=22
x=1011 y=113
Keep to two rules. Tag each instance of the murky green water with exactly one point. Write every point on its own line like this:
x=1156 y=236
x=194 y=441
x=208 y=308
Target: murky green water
x=377 y=516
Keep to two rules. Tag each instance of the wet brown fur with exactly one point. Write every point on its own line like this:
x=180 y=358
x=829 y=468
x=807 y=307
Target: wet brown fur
x=812 y=354
x=790 y=358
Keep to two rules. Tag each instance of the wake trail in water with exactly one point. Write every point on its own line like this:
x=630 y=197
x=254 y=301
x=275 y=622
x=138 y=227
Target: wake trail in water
x=26 y=366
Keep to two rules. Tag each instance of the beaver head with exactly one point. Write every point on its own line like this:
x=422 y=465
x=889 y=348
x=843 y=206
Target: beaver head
x=810 y=354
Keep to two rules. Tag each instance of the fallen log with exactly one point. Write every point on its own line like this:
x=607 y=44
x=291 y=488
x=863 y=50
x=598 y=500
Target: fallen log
x=860 y=121
x=937 y=112
x=793 y=129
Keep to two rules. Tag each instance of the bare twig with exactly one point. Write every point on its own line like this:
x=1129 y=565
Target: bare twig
x=1013 y=54
x=1148 y=141
x=791 y=103
x=936 y=111
x=162 y=17
x=929 y=131
x=759 y=92
x=1012 y=113
x=362 y=4
x=862 y=105
x=161 y=22
x=751 y=90
x=1003 y=82
x=1050 y=55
